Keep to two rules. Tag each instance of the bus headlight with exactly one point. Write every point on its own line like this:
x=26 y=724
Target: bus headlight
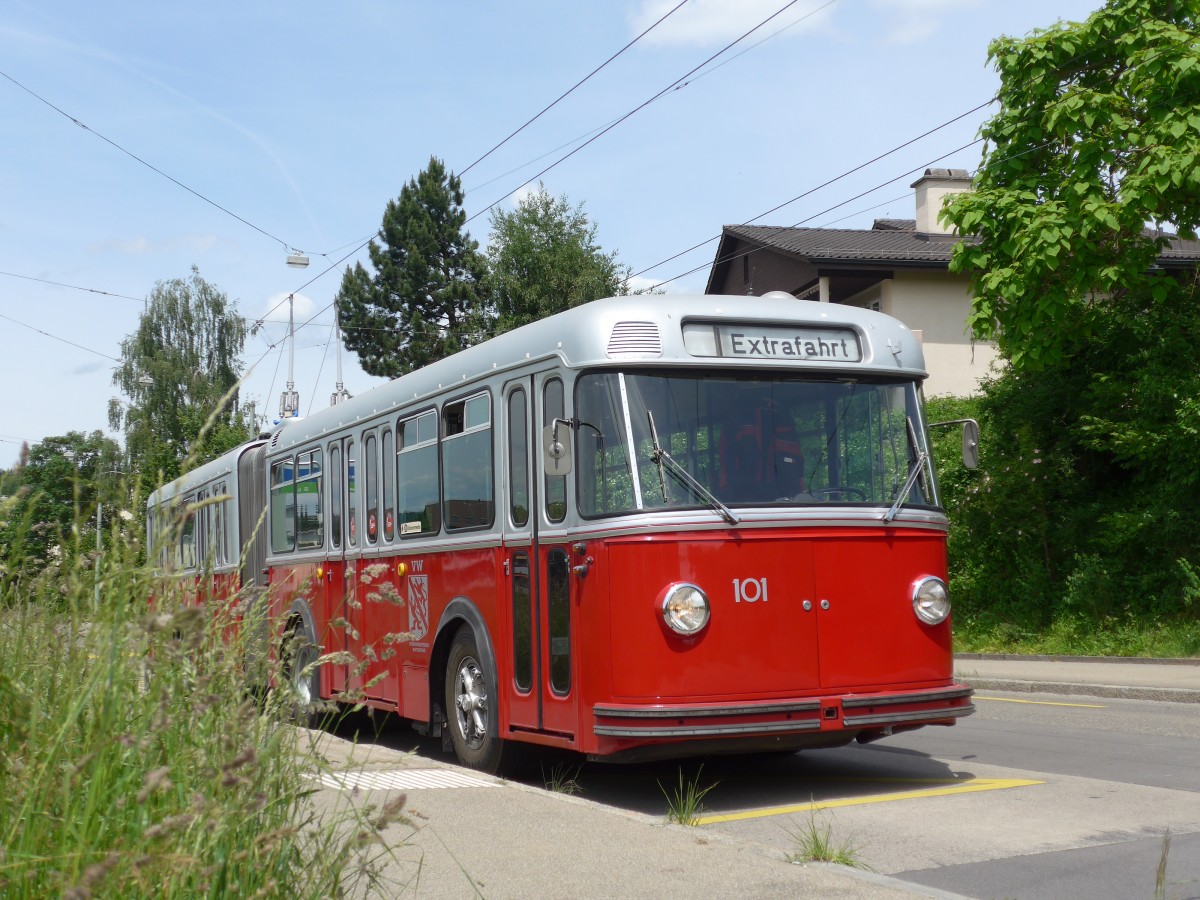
x=685 y=609
x=931 y=600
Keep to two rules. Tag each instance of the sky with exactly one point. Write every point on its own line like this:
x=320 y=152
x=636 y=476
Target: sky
x=140 y=140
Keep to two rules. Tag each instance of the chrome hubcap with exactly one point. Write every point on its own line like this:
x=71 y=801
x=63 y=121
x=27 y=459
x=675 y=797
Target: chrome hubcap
x=470 y=703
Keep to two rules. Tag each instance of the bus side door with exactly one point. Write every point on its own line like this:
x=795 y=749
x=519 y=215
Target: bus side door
x=518 y=663
x=554 y=590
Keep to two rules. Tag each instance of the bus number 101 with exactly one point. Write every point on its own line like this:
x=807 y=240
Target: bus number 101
x=749 y=590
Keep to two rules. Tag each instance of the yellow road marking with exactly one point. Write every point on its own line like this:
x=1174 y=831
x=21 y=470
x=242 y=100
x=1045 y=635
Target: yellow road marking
x=1043 y=702
x=974 y=786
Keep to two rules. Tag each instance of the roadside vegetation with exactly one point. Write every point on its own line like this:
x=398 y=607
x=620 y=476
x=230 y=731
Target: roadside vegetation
x=815 y=843
x=1053 y=551
x=1079 y=532
x=685 y=801
x=137 y=758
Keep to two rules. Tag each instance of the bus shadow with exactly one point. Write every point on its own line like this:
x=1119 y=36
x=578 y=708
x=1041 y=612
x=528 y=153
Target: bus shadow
x=732 y=783
x=751 y=781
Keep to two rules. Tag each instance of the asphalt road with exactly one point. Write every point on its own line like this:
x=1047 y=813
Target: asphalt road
x=1036 y=796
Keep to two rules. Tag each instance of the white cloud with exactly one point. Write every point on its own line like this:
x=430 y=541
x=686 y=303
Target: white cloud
x=704 y=22
x=641 y=283
x=912 y=21
x=138 y=246
x=143 y=246
x=520 y=194
x=275 y=307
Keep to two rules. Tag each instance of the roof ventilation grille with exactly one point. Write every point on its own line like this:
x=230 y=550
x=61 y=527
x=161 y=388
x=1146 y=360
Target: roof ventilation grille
x=634 y=339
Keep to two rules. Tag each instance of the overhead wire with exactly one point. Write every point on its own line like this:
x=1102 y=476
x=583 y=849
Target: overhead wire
x=57 y=338
x=646 y=103
x=823 y=185
x=74 y=287
x=572 y=88
x=990 y=101
x=148 y=165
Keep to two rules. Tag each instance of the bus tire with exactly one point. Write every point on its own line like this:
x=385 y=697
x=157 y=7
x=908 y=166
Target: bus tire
x=470 y=706
x=301 y=674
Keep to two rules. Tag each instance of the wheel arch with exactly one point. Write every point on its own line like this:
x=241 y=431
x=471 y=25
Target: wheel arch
x=460 y=612
x=300 y=610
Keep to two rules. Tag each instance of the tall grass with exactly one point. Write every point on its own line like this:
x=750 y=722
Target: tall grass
x=137 y=759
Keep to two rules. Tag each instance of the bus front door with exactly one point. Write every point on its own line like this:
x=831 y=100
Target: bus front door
x=536 y=669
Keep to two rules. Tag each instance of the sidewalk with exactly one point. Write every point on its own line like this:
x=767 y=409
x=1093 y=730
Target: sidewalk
x=1176 y=680
x=470 y=835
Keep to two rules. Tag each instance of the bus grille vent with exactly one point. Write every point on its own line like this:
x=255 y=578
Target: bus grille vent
x=635 y=338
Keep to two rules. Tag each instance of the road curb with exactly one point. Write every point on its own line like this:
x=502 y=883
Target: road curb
x=1127 y=692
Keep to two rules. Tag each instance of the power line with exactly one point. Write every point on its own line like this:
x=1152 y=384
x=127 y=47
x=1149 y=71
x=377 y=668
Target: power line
x=148 y=165
x=821 y=186
x=57 y=338
x=881 y=156
x=571 y=89
x=674 y=84
x=74 y=287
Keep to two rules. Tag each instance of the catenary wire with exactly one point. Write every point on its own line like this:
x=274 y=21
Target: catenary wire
x=148 y=165
x=646 y=103
x=57 y=338
x=571 y=89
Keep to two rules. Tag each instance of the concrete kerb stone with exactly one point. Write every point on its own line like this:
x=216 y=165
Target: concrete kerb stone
x=1116 y=691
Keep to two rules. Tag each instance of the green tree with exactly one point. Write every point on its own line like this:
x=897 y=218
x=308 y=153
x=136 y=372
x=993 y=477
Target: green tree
x=180 y=372
x=59 y=483
x=425 y=300
x=1098 y=134
x=544 y=259
x=1083 y=510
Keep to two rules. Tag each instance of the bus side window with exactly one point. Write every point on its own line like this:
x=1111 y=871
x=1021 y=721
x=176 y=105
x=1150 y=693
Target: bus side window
x=371 y=487
x=283 y=506
x=335 y=495
x=417 y=485
x=518 y=458
x=556 y=485
x=389 y=485
x=218 y=530
x=352 y=493
x=467 y=463
x=187 y=536
x=309 y=519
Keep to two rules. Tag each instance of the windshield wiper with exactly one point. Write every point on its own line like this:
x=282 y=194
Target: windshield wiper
x=660 y=456
x=915 y=470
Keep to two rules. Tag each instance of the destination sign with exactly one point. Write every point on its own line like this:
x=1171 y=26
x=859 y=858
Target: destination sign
x=751 y=341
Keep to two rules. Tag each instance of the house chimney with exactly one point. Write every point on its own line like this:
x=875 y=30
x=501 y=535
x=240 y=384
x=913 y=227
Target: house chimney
x=932 y=188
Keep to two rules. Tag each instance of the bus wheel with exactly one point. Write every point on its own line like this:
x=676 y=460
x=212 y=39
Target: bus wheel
x=469 y=707
x=300 y=672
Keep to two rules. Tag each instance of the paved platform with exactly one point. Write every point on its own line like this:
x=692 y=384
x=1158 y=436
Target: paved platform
x=469 y=835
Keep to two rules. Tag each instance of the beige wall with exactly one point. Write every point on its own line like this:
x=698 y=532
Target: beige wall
x=936 y=305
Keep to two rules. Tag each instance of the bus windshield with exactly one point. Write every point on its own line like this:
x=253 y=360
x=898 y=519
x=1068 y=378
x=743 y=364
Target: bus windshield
x=748 y=440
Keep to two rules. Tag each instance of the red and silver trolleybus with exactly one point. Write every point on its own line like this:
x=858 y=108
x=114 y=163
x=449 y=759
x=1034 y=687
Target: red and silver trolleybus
x=641 y=528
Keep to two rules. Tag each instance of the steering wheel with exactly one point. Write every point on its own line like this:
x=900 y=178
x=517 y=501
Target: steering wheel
x=843 y=490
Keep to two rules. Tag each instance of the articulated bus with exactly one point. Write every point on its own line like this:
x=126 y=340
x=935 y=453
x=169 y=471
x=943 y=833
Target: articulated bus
x=645 y=527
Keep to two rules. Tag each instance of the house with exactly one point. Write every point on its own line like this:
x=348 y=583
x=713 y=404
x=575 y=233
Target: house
x=898 y=266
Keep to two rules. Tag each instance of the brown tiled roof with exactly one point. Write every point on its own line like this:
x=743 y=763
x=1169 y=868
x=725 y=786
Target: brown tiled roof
x=892 y=242
x=883 y=245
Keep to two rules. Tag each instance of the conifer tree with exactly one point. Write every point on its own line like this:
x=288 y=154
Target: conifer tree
x=425 y=299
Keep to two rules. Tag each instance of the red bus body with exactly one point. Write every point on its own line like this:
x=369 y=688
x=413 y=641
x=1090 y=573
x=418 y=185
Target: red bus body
x=558 y=572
